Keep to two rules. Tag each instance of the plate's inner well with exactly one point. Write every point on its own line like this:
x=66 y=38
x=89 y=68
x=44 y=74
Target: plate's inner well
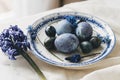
x=41 y=36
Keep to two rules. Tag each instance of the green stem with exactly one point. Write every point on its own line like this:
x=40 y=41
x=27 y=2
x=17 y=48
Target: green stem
x=56 y=56
x=33 y=64
x=90 y=55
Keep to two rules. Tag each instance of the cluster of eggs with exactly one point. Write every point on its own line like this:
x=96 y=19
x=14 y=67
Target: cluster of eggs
x=66 y=37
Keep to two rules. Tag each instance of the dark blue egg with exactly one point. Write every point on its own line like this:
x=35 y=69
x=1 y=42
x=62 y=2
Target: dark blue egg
x=95 y=41
x=50 y=31
x=49 y=43
x=86 y=47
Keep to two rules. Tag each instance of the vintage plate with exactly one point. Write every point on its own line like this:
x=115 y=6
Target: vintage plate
x=37 y=36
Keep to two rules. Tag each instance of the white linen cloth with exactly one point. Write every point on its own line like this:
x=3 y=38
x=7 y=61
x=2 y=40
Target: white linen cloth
x=108 y=10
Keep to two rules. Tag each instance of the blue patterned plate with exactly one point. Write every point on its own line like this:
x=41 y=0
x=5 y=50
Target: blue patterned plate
x=37 y=36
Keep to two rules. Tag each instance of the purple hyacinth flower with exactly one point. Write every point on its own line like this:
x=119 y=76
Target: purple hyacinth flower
x=13 y=40
x=15 y=28
x=18 y=44
x=5 y=33
x=4 y=48
x=71 y=19
x=1 y=43
x=1 y=40
x=11 y=53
